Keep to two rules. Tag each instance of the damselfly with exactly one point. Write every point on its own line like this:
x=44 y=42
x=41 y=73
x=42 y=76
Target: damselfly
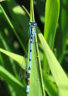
x=32 y=30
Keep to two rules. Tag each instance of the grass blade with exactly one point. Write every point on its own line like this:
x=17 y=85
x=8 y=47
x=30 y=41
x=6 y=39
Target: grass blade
x=18 y=58
x=52 y=10
x=57 y=71
x=35 y=81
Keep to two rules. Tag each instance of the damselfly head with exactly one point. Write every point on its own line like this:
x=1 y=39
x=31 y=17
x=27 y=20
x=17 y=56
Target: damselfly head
x=32 y=23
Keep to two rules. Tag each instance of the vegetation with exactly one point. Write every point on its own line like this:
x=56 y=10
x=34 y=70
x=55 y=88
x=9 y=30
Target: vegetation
x=49 y=67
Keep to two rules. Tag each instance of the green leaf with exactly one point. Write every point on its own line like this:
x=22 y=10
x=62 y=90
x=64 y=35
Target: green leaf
x=52 y=9
x=11 y=80
x=35 y=81
x=57 y=71
x=18 y=58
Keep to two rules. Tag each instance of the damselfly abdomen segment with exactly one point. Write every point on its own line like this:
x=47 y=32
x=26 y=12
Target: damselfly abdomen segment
x=32 y=30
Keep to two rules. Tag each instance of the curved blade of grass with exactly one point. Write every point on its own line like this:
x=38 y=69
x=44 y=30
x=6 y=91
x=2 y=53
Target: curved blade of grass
x=12 y=66
x=26 y=10
x=57 y=71
x=18 y=58
x=11 y=80
x=52 y=9
x=12 y=55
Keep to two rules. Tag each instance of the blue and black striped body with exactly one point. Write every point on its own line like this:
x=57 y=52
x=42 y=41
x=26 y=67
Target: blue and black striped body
x=32 y=31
